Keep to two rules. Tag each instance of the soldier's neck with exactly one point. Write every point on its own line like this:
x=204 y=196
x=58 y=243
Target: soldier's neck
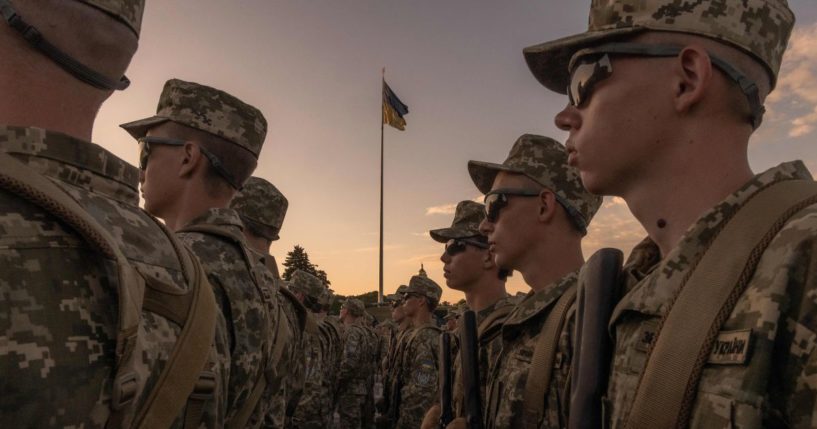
x=486 y=292
x=192 y=203
x=546 y=263
x=422 y=317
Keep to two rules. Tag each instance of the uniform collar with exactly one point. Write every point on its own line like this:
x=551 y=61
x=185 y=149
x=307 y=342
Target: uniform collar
x=536 y=303
x=652 y=283
x=219 y=217
x=73 y=161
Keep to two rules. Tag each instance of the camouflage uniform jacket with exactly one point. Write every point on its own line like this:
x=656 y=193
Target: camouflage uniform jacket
x=391 y=382
x=775 y=386
x=354 y=364
x=418 y=375
x=490 y=345
x=58 y=300
x=315 y=407
x=520 y=334
x=248 y=308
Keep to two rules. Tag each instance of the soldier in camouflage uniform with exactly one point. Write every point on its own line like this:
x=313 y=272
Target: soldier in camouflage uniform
x=314 y=410
x=332 y=330
x=537 y=212
x=59 y=306
x=469 y=267
x=262 y=207
x=681 y=165
x=390 y=365
x=355 y=365
x=416 y=380
x=196 y=152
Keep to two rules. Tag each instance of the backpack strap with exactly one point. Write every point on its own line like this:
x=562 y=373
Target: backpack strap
x=544 y=354
x=710 y=291
x=492 y=324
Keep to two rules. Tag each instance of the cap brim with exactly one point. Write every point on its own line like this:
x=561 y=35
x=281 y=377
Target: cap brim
x=139 y=129
x=548 y=61
x=442 y=235
x=484 y=173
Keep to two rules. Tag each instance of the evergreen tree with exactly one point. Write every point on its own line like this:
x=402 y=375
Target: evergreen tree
x=298 y=259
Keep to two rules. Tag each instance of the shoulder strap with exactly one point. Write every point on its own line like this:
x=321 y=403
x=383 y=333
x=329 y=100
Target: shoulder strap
x=39 y=190
x=710 y=291
x=493 y=321
x=541 y=366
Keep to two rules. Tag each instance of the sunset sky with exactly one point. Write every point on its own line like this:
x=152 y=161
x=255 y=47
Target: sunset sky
x=313 y=68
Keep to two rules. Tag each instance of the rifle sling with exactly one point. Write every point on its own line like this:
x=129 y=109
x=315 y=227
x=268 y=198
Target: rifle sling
x=541 y=368
x=710 y=291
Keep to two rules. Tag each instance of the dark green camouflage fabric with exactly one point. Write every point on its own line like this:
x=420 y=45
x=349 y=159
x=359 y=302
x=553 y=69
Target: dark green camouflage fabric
x=207 y=109
x=261 y=202
x=418 y=375
x=58 y=296
x=291 y=366
x=355 y=307
x=509 y=375
x=760 y=28
x=307 y=284
x=773 y=385
x=467 y=217
x=424 y=286
x=545 y=161
x=353 y=376
x=250 y=308
x=128 y=11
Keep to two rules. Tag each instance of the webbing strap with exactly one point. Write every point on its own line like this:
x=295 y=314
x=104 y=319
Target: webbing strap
x=541 y=366
x=184 y=368
x=39 y=190
x=493 y=321
x=710 y=291
x=243 y=415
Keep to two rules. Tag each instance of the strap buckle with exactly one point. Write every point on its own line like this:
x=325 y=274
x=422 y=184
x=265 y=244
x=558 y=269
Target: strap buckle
x=205 y=387
x=124 y=389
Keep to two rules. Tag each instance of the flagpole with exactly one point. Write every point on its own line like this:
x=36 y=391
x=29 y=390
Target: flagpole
x=382 y=88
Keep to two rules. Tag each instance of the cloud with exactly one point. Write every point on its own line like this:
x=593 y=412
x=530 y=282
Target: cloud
x=421 y=234
x=445 y=209
x=613 y=226
x=795 y=98
x=377 y=248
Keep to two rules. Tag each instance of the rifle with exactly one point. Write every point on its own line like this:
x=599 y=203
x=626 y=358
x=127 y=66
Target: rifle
x=469 y=354
x=597 y=296
x=446 y=411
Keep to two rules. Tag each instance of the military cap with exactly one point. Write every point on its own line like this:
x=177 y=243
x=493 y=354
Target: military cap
x=326 y=298
x=397 y=296
x=355 y=307
x=209 y=110
x=467 y=217
x=128 y=12
x=545 y=161
x=760 y=28
x=424 y=286
x=307 y=284
x=261 y=202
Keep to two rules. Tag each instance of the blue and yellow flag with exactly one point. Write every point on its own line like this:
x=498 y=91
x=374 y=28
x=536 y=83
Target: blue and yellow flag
x=393 y=109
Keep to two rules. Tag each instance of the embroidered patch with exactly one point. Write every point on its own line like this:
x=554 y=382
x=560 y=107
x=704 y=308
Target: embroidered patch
x=731 y=348
x=646 y=336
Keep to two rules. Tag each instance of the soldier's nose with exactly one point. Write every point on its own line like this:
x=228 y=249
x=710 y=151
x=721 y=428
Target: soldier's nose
x=568 y=119
x=485 y=227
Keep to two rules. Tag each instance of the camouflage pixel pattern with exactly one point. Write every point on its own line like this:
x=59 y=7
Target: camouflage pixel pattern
x=261 y=202
x=761 y=28
x=58 y=300
x=424 y=286
x=353 y=376
x=128 y=11
x=544 y=160
x=509 y=376
x=467 y=217
x=418 y=376
x=207 y=109
x=314 y=410
x=247 y=308
x=355 y=307
x=307 y=284
x=775 y=386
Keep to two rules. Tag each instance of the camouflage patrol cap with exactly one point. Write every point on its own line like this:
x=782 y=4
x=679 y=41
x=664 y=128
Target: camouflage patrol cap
x=355 y=307
x=307 y=284
x=761 y=28
x=397 y=296
x=206 y=109
x=128 y=11
x=545 y=161
x=467 y=217
x=327 y=298
x=424 y=286
x=261 y=202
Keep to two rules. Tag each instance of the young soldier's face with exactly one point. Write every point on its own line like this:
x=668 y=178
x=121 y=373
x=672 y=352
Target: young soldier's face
x=464 y=268
x=159 y=182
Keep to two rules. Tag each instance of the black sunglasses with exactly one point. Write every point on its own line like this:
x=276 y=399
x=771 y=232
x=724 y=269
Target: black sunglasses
x=590 y=66
x=144 y=156
x=456 y=246
x=498 y=198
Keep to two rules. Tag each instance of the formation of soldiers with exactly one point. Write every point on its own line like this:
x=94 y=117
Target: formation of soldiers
x=176 y=315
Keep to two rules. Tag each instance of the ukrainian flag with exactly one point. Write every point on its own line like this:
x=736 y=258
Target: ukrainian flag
x=393 y=109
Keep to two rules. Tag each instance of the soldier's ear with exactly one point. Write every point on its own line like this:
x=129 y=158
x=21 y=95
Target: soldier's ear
x=190 y=160
x=488 y=260
x=691 y=78
x=546 y=206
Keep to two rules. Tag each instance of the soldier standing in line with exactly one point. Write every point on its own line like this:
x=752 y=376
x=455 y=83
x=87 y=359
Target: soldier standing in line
x=699 y=72
x=333 y=331
x=315 y=407
x=418 y=373
x=390 y=364
x=79 y=346
x=469 y=267
x=262 y=208
x=537 y=212
x=353 y=377
x=196 y=153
